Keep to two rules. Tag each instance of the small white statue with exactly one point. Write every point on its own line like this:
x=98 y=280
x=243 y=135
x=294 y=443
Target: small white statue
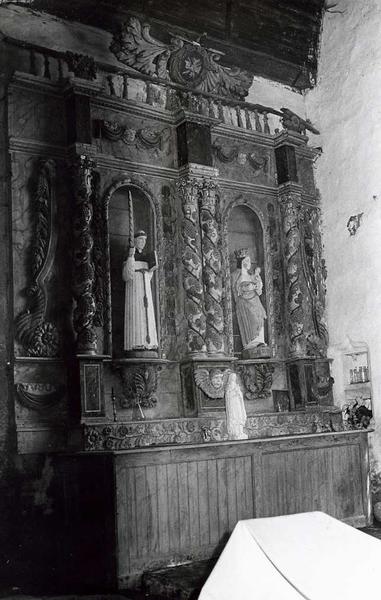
x=139 y=321
x=235 y=409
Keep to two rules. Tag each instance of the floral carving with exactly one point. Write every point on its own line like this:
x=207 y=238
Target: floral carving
x=257 y=379
x=81 y=65
x=185 y=63
x=39 y=337
x=139 y=385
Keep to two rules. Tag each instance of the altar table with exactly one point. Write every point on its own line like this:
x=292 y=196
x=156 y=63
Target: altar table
x=307 y=555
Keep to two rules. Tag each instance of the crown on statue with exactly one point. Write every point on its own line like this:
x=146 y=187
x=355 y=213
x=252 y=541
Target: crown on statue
x=241 y=253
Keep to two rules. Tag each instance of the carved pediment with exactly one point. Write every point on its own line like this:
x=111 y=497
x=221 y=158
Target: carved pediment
x=182 y=61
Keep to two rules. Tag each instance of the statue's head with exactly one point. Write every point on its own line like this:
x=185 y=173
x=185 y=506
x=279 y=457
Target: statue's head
x=140 y=239
x=243 y=258
x=217 y=378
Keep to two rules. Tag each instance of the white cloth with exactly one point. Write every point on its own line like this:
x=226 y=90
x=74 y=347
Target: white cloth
x=307 y=555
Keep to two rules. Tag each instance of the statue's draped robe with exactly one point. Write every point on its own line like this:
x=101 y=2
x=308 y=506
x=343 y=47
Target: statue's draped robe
x=249 y=309
x=139 y=315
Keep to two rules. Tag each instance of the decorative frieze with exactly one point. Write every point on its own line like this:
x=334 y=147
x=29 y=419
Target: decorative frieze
x=148 y=138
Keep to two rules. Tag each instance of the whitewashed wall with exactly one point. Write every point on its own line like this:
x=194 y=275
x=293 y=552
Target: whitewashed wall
x=346 y=108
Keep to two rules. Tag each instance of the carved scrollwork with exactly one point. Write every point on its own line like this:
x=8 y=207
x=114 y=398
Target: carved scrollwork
x=257 y=379
x=38 y=336
x=139 y=384
x=212 y=271
x=39 y=396
x=185 y=63
x=189 y=189
x=83 y=266
x=81 y=65
x=277 y=271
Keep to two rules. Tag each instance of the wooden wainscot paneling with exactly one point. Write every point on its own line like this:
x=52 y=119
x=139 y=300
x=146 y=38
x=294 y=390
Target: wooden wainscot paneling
x=181 y=503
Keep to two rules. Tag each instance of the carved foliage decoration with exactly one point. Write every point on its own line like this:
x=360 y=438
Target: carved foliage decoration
x=38 y=336
x=257 y=379
x=81 y=65
x=39 y=396
x=241 y=156
x=83 y=266
x=277 y=269
x=212 y=267
x=314 y=274
x=147 y=137
x=170 y=255
x=99 y=256
x=290 y=220
x=139 y=385
x=185 y=63
x=189 y=189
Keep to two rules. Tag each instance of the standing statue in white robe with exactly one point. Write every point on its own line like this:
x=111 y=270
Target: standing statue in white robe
x=235 y=409
x=139 y=317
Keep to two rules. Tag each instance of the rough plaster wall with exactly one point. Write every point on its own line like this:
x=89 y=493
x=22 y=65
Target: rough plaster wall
x=346 y=108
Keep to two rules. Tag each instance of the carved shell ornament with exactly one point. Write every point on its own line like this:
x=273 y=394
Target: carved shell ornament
x=182 y=61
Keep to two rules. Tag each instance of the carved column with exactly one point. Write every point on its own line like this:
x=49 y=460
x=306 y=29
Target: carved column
x=189 y=189
x=212 y=268
x=290 y=210
x=83 y=267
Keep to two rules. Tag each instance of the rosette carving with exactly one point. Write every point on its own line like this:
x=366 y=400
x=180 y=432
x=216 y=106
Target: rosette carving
x=189 y=190
x=83 y=267
x=38 y=336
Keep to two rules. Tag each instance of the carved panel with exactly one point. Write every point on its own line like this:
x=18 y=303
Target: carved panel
x=139 y=385
x=92 y=389
x=257 y=379
x=189 y=190
x=40 y=396
x=38 y=336
x=277 y=278
x=183 y=62
x=83 y=266
x=243 y=161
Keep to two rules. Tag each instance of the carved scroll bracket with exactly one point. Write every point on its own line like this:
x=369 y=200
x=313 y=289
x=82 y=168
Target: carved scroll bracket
x=83 y=267
x=39 y=337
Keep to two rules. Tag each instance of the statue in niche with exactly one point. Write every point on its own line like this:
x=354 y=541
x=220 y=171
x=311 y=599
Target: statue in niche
x=247 y=288
x=235 y=409
x=140 y=334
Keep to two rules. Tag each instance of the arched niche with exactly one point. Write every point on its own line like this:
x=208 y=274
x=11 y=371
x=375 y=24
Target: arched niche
x=119 y=234
x=245 y=231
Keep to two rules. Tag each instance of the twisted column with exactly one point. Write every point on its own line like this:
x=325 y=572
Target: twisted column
x=212 y=268
x=83 y=267
x=188 y=189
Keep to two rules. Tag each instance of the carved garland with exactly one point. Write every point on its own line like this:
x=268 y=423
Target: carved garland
x=241 y=156
x=146 y=137
x=185 y=63
x=189 y=189
x=39 y=396
x=83 y=266
x=38 y=336
x=212 y=271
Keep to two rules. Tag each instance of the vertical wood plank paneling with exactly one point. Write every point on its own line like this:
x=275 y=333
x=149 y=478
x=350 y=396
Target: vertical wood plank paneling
x=123 y=515
x=223 y=521
x=152 y=510
x=231 y=493
x=141 y=510
x=249 y=482
x=193 y=504
x=240 y=487
x=184 y=513
x=213 y=502
x=131 y=504
x=203 y=501
x=173 y=507
x=162 y=494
